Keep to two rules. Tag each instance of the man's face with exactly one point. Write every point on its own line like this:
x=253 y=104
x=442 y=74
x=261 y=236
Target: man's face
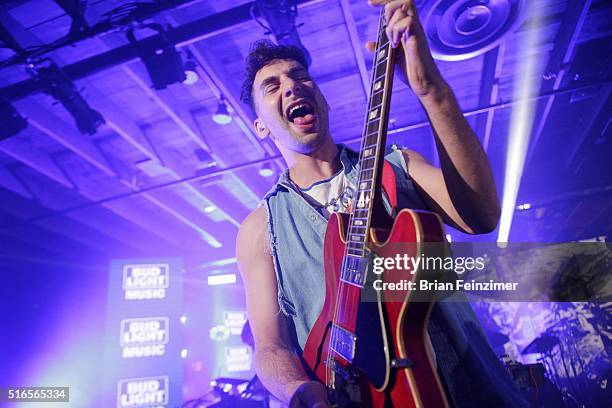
x=290 y=107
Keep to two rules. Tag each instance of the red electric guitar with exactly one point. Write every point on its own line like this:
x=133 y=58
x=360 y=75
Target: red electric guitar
x=375 y=354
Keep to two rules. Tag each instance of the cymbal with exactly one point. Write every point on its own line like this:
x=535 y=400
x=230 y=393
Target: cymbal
x=568 y=328
x=541 y=344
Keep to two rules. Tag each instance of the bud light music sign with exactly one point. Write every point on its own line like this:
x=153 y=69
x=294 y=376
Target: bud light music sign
x=142 y=392
x=144 y=337
x=143 y=360
x=145 y=281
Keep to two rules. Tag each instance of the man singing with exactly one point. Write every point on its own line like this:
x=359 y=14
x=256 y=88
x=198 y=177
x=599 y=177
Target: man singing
x=280 y=244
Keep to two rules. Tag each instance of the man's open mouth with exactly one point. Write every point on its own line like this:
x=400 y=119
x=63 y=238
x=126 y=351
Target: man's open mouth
x=300 y=113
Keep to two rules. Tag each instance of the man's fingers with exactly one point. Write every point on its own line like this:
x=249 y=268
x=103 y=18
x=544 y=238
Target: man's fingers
x=392 y=27
x=408 y=6
x=398 y=16
x=391 y=8
x=397 y=26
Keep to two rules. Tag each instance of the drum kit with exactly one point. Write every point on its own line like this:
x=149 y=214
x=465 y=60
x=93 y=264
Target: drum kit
x=233 y=393
x=573 y=361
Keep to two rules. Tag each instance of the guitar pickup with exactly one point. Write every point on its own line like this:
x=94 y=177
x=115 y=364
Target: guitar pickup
x=343 y=342
x=354 y=270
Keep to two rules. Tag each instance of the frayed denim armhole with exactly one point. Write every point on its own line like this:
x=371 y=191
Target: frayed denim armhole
x=408 y=195
x=283 y=303
x=396 y=157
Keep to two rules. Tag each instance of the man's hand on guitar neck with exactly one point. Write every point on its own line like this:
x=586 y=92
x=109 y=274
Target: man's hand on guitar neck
x=417 y=67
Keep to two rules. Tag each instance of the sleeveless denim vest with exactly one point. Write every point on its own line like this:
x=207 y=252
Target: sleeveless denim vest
x=468 y=367
x=296 y=230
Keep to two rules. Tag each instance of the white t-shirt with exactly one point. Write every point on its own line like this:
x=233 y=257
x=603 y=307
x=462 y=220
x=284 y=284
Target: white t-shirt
x=334 y=194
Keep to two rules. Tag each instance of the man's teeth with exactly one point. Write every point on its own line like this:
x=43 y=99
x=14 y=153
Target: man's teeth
x=293 y=109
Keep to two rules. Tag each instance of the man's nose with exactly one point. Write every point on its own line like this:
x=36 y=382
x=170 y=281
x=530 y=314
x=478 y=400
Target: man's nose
x=292 y=88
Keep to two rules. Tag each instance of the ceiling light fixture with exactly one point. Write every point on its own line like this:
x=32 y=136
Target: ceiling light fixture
x=191 y=73
x=266 y=170
x=278 y=17
x=57 y=84
x=163 y=61
x=205 y=159
x=222 y=115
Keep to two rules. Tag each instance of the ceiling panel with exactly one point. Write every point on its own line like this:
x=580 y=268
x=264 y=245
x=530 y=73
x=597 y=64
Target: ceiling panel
x=172 y=125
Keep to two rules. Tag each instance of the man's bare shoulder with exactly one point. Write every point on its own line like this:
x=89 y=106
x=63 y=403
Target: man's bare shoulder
x=253 y=234
x=255 y=221
x=413 y=156
x=421 y=170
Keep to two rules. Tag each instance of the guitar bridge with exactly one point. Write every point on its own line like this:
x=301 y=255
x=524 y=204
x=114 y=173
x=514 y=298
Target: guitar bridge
x=345 y=392
x=343 y=373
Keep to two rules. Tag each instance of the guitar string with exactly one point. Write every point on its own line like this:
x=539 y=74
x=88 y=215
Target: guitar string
x=380 y=45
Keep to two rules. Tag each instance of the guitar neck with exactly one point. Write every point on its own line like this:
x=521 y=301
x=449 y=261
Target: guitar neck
x=373 y=144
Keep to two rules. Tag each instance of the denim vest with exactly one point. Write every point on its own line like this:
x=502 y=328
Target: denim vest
x=471 y=373
x=296 y=230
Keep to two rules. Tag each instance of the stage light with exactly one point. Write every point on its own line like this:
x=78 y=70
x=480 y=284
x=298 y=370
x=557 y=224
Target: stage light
x=191 y=73
x=205 y=159
x=523 y=207
x=280 y=20
x=11 y=122
x=266 y=170
x=184 y=353
x=449 y=238
x=222 y=116
x=225 y=279
x=163 y=61
x=210 y=208
x=57 y=84
x=183 y=319
x=521 y=124
x=220 y=262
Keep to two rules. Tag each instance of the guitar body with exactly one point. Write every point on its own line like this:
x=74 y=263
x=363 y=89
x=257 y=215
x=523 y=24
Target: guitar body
x=392 y=364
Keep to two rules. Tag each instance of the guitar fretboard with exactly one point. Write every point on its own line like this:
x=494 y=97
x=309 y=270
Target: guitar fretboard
x=371 y=157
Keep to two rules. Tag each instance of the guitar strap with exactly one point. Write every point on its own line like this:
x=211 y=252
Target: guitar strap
x=389 y=185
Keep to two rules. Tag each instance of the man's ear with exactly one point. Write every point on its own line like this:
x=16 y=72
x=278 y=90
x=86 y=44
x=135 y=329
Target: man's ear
x=261 y=129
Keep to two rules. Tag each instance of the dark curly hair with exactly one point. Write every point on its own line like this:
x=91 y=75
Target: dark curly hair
x=262 y=53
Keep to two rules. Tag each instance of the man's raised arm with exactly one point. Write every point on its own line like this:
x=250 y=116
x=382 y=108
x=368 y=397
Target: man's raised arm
x=463 y=191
